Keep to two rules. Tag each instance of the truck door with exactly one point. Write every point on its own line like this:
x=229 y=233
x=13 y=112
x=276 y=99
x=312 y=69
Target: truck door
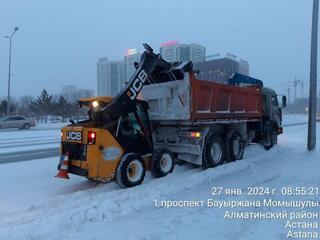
x=276 y=110
x=272 y=110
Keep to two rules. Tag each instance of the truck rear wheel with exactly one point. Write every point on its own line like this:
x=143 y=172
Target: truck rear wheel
x=234 y=145
x=162 y=163
x=131 y=170
x=213 y=152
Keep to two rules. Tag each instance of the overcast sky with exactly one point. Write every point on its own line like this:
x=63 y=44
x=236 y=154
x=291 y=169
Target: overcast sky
x=59 y=41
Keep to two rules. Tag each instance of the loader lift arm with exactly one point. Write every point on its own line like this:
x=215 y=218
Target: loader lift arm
x=151 y=69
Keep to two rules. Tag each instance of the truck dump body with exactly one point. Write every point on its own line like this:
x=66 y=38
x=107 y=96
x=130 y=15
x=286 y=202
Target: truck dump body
x=199 y=100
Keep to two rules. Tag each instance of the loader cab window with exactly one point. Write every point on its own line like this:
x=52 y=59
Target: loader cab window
x=134 y=124
x=131 y=135
x=143 y=116
x=126 y=127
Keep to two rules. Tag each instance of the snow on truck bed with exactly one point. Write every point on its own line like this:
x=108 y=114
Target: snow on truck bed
x=35 y=205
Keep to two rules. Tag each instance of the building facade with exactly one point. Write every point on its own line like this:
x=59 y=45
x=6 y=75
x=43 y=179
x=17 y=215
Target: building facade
x=175 y=52
x=132 y=56
x=219 y=69
x=110 y=77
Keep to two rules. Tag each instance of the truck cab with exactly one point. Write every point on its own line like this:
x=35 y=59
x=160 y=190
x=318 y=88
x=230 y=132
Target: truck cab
x=272 y=117
x=271 y=108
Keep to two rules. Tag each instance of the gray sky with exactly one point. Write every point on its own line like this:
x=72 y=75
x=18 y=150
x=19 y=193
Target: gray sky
x=59 y=41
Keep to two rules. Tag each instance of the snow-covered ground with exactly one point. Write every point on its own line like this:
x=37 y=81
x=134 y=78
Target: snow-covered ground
x=289 y=119
x=35 y=205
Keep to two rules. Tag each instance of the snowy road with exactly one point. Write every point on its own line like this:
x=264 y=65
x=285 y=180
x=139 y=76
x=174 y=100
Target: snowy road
x=35 y=143
x=28 y=155
x=43 y=140
x=35 y=205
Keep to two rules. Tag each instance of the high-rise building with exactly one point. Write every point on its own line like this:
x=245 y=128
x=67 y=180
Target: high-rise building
x=173 y=51
x=132 y=55
x=219 y=69
x=110 y=77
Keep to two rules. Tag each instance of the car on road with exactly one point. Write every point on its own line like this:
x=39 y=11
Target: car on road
x=17 y=122
x=318 y=117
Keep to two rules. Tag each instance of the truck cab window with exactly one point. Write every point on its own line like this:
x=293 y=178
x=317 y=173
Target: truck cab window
x=274 y=100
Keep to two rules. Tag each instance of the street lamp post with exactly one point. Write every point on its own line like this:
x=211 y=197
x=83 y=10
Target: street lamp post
x=313 y=79
x=9 y=72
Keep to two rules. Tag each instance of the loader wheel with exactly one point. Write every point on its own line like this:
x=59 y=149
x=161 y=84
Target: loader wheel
x=213 y=152
x=162 y=163
x=234 y=145
x=131 y=170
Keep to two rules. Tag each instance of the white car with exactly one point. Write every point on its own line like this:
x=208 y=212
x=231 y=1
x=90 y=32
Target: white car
x=17 y=122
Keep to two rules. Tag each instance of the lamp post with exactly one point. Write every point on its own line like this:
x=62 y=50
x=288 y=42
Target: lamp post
x=9 y=73
x=313 y=79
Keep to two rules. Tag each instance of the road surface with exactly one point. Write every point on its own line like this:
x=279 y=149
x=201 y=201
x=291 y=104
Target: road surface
x=24 y=145
x=28 y=155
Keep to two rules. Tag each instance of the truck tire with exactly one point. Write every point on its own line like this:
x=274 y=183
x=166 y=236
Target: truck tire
x=271 y=137
x=131 y=170
x=213 y=152
x=162 y=163
x=234 y=146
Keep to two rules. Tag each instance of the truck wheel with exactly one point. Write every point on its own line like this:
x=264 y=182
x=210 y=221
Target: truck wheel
x=213 y=152
x=234 y=145
x=162 y=163
x=131 y=170
x=272 y=137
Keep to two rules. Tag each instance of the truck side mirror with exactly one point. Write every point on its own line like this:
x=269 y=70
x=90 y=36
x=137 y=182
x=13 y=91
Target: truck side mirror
x=284 y=101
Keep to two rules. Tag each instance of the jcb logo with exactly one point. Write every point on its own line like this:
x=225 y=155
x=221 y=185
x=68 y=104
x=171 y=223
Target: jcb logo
x=137 y=84
x=74 y=136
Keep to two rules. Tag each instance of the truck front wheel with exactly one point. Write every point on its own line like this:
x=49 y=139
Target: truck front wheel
x=162 y=163
x=213 y=152
x=131 y=170
x=271 y=137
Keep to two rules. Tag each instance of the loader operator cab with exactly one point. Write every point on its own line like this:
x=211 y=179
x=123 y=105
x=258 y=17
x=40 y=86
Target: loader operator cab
x=133 y=130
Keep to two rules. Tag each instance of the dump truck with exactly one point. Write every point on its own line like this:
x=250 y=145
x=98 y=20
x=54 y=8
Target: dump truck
x=165 y=115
